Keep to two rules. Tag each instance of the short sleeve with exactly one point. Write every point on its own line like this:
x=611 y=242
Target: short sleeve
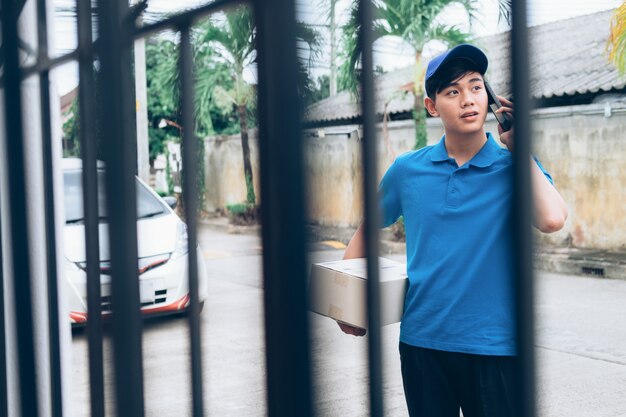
x=548 y=176
x=389 y=195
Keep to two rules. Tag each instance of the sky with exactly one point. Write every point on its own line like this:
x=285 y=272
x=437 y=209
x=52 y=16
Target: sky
x=388 y=53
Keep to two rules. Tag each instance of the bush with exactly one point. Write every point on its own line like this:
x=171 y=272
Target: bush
x=243 y=214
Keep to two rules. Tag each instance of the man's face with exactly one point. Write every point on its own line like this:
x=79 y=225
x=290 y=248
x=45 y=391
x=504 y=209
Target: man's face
x=462 y=105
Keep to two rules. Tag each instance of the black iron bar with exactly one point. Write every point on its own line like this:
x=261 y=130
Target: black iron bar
x=56 y=395
x=88 y=146
x=47 y=63
x=186 y=18
x=522 y=213
x=282 y=212
x=117 y=121
x=371 y=207
x=190 y=199
x=18 y=211
x=4 y=408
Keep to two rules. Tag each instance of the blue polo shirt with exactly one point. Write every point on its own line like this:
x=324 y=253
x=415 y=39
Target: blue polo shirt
x=460 y=296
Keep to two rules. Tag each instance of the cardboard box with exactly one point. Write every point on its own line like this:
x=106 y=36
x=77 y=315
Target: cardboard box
x=339 y=289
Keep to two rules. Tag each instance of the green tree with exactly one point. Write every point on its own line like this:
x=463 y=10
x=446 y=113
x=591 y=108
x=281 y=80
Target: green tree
x=416 y=23
x=71 y=141
x=234 y=40
x=164 y=97
x=320 y=91
x=164 y=106
x=160 y=60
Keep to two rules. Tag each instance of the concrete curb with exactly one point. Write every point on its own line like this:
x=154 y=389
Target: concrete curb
x=223 y=225
x=582 y=262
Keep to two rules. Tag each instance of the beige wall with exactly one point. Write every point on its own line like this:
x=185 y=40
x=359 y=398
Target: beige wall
x=580 y=146
x=334 y=171
x=225 y=181
x=586 y=153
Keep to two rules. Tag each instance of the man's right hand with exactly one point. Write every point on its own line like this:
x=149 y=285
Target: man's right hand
x=355 y=249
x=354 y=331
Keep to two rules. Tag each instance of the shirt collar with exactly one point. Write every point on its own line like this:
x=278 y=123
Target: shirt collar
x=439 y=153
x=484 y=158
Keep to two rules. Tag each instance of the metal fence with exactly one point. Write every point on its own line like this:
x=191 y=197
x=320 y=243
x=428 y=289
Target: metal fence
x=282 y=184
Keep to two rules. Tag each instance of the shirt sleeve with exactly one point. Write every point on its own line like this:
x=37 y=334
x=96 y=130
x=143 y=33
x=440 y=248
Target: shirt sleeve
x=548 y=176
x=389 y=195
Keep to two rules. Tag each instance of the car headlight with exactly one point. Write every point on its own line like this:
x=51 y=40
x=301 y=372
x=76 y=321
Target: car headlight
x=182 y=242
x=151 y=262
x=105 y=266
x=143 y=264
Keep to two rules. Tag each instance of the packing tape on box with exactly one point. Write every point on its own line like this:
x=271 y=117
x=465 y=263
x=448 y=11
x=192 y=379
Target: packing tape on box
x=341 y=279
x=336 y=312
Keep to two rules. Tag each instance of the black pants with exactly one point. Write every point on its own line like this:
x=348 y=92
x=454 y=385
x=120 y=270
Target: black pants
x=438 y=383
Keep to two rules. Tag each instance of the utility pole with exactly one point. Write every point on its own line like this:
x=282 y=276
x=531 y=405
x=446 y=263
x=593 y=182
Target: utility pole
x=333 y=50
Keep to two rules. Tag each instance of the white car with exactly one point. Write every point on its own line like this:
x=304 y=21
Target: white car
x=162 y=250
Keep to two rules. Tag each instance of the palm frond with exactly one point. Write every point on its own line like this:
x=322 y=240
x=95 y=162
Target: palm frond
x=349 y=70
x=326 y=6
x=211 y=33
x=350 y=51
x=450 y=35
x=616 y=44
x=310 y=37
x=504 y=8
x=415 y=21
x=242 y=31
x=471 y=8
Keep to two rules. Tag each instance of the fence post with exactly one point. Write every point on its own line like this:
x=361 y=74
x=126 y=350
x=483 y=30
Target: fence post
x=282 y=212
x=117 y=117
x=522 y=213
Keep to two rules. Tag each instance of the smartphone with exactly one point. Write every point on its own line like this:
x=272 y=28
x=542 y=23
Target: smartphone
x=504 y=119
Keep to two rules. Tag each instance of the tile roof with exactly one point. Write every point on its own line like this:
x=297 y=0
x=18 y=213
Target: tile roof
x=567 y=57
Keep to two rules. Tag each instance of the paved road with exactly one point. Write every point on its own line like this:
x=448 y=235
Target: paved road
x=581 y=347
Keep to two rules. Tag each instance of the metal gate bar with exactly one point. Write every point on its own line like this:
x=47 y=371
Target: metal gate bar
x=18 y=211
x=283 y=233
x=190 y=194
x=117 y=120
x=56 y=396
x=48 y=63
x=370 y=195
x=4 y=410
x=282 y=213
x=88 y=146
x=522 y=213
x=187 y=18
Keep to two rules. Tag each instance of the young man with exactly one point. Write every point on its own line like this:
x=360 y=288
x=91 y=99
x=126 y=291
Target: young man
x=457 y=336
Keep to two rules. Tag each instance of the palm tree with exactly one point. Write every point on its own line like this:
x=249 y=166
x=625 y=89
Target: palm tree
x=235 y=41
x=416 y=23
x=616 y=44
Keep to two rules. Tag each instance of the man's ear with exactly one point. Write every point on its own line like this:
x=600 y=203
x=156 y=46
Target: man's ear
x=430 y=106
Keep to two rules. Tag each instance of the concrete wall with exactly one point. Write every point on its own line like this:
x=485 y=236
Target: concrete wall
x=225 y=181
x=334 y=170
x=580 y=146
x=583 y=147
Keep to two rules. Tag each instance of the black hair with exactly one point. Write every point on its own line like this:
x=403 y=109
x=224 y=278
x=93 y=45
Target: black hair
x=449 y=73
